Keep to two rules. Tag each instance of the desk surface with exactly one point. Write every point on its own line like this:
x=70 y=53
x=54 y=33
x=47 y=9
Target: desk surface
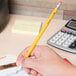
x=11 y=43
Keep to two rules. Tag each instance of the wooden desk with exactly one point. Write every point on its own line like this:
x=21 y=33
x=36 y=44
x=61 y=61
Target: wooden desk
x=11 y=43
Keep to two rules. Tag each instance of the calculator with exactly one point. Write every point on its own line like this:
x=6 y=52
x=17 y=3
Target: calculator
x=65 y=38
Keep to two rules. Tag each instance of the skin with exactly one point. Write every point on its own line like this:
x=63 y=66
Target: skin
x=43 y=61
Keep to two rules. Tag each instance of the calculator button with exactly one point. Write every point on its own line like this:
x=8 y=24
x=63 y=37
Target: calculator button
x=65 y=30
x=66 y=35
x=75 y=42
x=70 y=33
x=61 y=40
x=74 y=34
x=67 y=42
x=58 y=43
x=56 y=37
x=52 y=41
x=73 y=45
x=65 y=45
x=60 y=33
x=72 y=37
x=70 y=40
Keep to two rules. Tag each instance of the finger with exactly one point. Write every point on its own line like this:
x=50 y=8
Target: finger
x=23 y=53
x=21 y=56
x=39 y=74
x=33 y=72
x=37 y=51
x=30 y=63
x=27 y=70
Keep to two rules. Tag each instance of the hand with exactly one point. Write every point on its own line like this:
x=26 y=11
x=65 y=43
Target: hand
x=43 y=61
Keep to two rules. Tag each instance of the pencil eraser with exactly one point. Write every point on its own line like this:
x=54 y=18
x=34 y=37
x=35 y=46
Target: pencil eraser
x=22 y=26
x=60 y=2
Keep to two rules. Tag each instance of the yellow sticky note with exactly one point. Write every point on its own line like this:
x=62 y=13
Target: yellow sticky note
x=22 y=26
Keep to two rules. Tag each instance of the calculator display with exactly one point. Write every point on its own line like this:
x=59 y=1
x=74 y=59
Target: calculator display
x=71 y=24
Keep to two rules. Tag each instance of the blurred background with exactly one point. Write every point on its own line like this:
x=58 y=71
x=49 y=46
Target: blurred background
x=43 y=8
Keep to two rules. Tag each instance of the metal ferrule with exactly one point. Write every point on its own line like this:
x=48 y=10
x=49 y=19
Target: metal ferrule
x=59 y=4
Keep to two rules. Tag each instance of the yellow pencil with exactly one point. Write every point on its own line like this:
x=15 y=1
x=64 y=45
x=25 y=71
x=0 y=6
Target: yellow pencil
x=42 y=30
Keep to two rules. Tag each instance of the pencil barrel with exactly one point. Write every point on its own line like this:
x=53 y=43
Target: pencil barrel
x=41 y=32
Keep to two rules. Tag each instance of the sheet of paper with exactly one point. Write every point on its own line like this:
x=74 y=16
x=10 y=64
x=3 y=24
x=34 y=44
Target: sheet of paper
x=5 y=60
x=12 y=72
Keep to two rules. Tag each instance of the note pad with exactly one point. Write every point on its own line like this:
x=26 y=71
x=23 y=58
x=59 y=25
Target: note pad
x=22 y=26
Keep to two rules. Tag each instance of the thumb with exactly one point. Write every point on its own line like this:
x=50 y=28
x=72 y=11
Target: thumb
x=30 y=63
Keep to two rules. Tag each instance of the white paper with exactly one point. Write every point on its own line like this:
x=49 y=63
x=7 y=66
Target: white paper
x=12 y=72
x=7 y=59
